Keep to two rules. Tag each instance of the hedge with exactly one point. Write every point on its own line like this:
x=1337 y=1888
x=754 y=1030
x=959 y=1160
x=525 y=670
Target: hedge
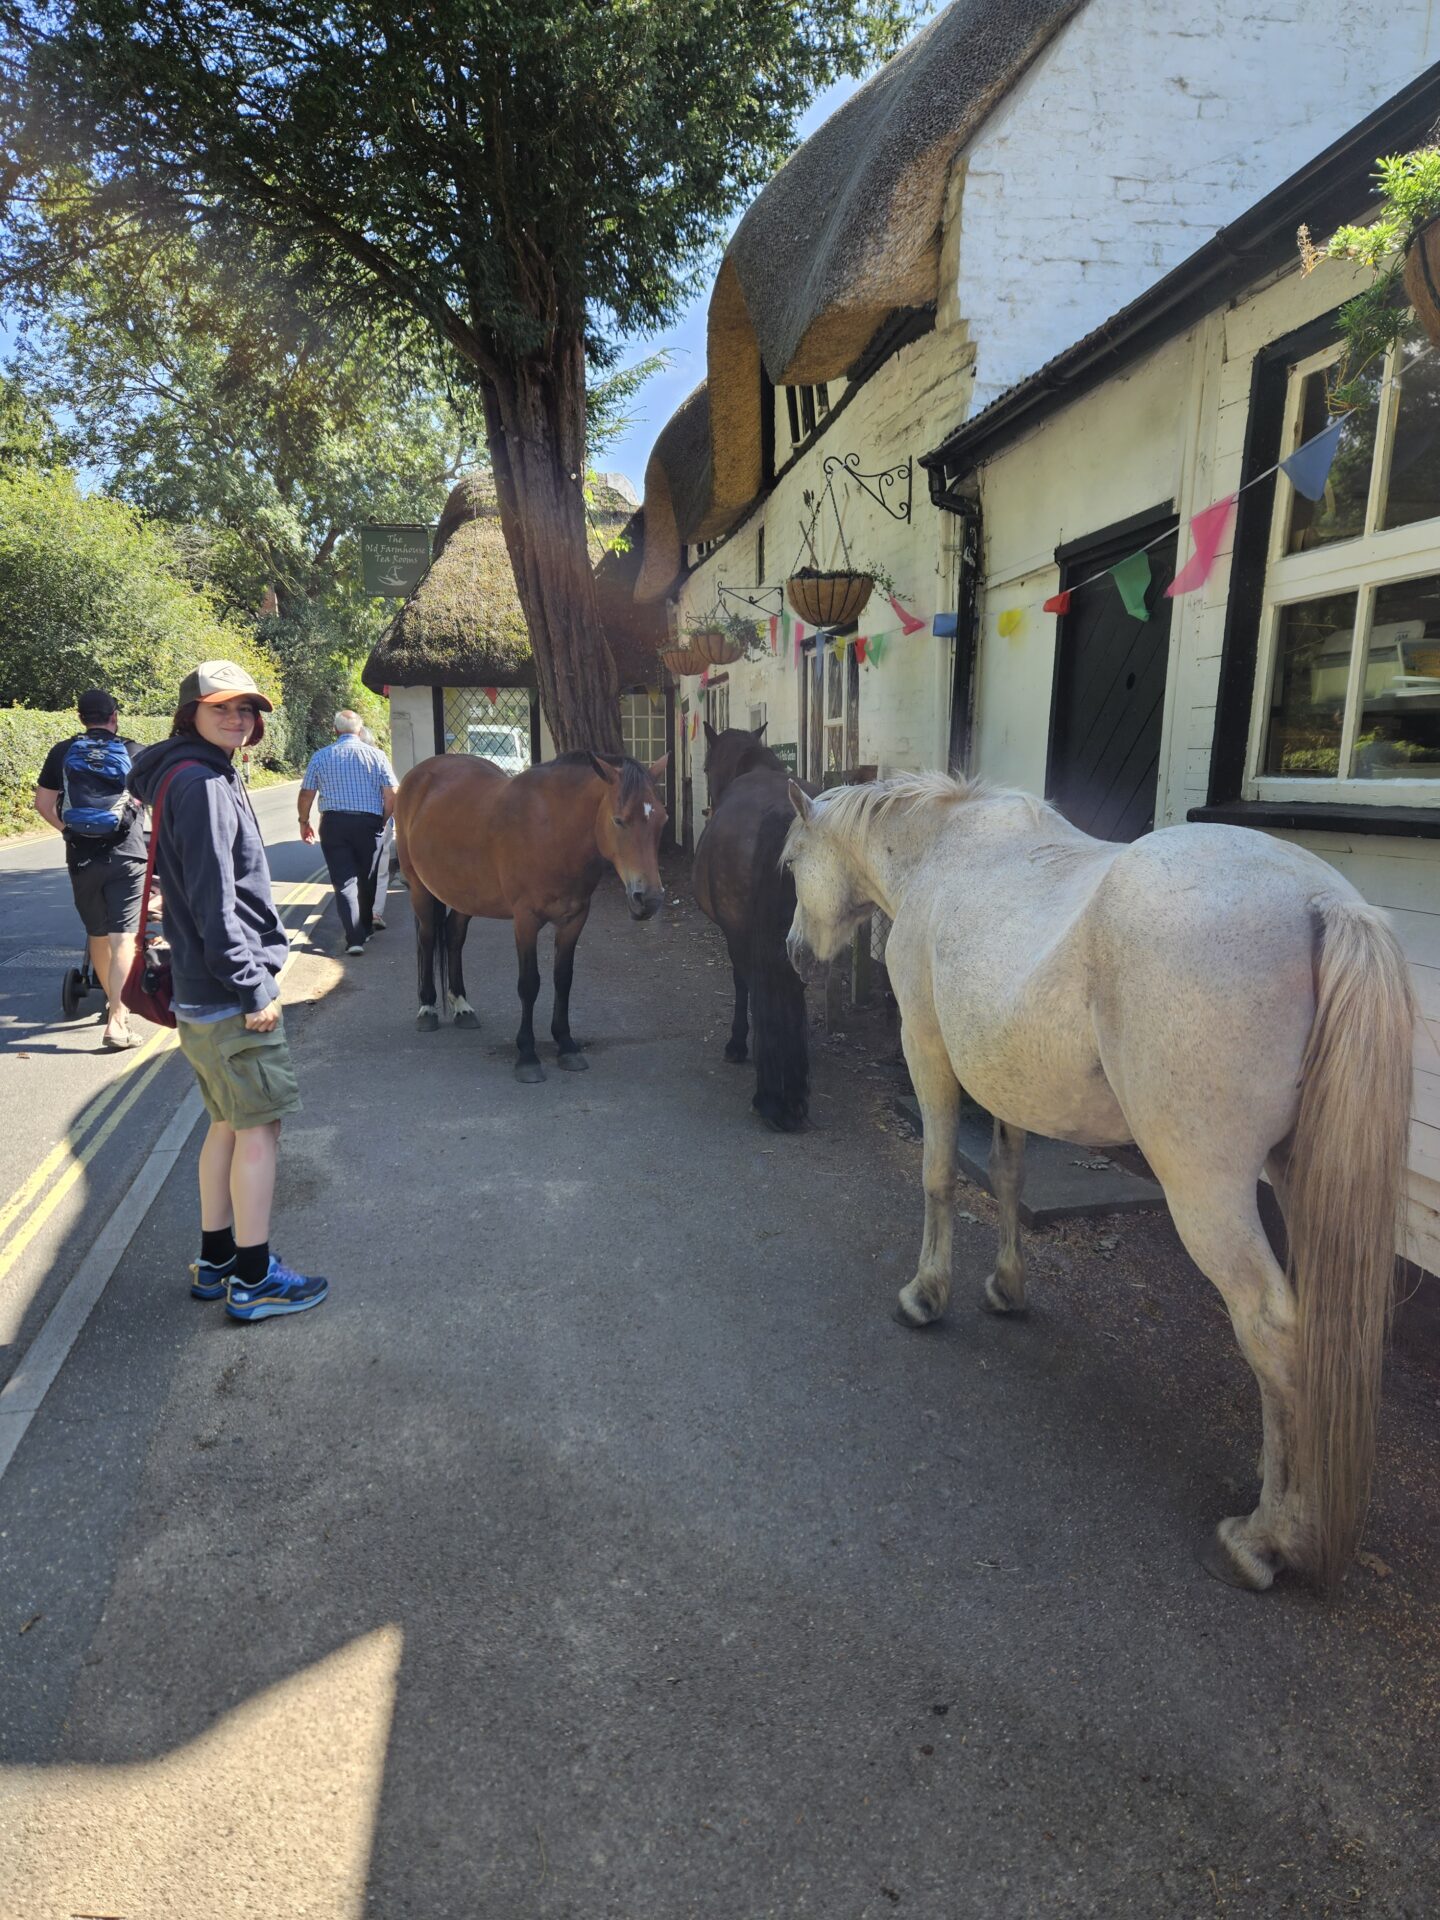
x=26 y=736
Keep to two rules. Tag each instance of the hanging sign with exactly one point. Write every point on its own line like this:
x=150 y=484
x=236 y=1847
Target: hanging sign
x=788 y=754
x=394 y=560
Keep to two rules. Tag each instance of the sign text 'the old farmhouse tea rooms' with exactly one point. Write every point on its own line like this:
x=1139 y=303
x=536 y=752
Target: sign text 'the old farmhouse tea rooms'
x=394 y=560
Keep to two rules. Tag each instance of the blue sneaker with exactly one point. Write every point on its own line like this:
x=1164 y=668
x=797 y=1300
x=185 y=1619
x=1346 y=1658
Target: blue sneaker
x=281 y=1291
x=209 y=1278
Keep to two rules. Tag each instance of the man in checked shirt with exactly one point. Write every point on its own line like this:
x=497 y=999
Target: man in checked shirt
x=355 y=785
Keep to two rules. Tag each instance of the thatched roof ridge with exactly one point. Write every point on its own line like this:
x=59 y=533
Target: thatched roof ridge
x=678 y=487
x=463 y=626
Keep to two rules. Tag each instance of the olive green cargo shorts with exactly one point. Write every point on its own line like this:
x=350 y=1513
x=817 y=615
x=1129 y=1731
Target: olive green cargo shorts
x=246 y=1079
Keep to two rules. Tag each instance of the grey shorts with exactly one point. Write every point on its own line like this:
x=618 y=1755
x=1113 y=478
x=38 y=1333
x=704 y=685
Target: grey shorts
x=108 y=892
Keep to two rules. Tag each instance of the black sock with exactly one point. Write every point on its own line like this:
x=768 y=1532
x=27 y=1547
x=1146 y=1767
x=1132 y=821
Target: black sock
x=252 y=1264
x=217 y=1247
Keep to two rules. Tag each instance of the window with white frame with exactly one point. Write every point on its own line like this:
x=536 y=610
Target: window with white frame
x=1349 y=662
x=717 y=704
x=806 y=407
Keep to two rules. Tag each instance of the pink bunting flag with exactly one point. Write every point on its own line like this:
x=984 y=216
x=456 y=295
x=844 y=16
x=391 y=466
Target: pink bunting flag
x=1207 y=530
x=908 y=622
x=774 y=633
x=799 y=640
x=1058 y=602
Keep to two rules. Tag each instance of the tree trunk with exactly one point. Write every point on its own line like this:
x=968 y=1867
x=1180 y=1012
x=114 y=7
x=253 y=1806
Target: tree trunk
x=535 y=418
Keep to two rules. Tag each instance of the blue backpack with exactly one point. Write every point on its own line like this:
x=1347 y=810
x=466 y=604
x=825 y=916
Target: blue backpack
x=94 y=803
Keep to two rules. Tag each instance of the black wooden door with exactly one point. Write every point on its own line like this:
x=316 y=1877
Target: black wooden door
x=1109 y=701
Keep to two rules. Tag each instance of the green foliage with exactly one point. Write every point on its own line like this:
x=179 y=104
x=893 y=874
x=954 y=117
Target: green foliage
x=1377 y=318
x=315 y=651
x=26 y=736
x=90 y=593
x=27 y=433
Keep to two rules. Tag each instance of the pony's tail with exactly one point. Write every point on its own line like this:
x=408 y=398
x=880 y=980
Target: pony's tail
x=1345 y=1208
x=777 y=993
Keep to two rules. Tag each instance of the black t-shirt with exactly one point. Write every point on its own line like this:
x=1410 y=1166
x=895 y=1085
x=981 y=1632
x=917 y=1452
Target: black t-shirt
x=129 y=844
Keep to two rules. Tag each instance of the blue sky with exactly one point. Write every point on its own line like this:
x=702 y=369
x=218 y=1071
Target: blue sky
x=685 y=341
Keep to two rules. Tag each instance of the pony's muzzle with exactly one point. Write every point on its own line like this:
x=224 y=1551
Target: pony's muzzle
x=644 y=902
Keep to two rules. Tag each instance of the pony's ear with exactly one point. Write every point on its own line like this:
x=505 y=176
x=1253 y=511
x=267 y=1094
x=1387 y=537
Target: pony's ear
x=656 y=768
x=605 y=770
x=800 y=800
x=710 y=734
x=755 y=732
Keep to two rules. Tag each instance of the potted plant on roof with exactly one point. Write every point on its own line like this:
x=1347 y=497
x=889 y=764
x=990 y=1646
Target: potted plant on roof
x=1401 y=246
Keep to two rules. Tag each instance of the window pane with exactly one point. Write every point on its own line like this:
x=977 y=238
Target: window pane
x=1413 y=492
x=1307 y=695
x=1399 y=733
x=1339 y=514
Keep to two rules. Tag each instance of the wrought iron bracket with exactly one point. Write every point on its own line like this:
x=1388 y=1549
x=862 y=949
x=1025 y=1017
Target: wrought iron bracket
x=727 y=594
x=877 y=485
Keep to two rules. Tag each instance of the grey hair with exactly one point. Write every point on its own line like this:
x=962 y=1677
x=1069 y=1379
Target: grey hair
x=347 y=722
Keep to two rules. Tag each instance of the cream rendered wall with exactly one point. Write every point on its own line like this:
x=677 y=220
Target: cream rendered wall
x=914 y=399
x=412 y=727
x=1172 y=122
x=1175 y=426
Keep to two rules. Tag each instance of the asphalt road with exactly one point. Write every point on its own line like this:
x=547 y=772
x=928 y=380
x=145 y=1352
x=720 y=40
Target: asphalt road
x=71 y=1135
x=602 y=1547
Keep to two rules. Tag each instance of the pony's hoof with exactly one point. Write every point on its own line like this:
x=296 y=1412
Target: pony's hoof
x=737 y=1056
x=427 y=1022
x=913 y=1310
x=1229 y=1558
x=572 y=1063
x=529 y=1073
x=998 y=1301
x=469 y=1018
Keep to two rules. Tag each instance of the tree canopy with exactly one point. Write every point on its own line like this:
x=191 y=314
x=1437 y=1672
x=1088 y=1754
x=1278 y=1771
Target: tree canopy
x=533 y=180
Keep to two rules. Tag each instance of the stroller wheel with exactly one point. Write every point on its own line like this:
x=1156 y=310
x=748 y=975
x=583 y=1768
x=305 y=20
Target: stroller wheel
x=73 y=989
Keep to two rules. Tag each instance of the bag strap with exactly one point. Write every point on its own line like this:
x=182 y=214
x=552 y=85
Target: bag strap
x=155 y=813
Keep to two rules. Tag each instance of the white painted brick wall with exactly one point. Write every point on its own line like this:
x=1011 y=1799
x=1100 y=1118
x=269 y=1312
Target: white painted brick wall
x=1139 y=134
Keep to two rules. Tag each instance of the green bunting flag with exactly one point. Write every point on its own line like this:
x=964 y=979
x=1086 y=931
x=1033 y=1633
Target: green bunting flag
x=1132 y=577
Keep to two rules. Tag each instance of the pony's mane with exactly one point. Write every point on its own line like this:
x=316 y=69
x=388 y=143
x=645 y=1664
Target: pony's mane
x=634 y=779
x=849 y=811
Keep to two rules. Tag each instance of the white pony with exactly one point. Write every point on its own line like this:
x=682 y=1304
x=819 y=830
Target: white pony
x=1226 y=1001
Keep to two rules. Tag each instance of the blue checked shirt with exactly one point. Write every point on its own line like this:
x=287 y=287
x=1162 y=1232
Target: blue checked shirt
x=349 y=777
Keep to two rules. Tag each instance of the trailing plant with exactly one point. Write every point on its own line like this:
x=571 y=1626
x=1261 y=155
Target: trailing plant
x=1378 y=317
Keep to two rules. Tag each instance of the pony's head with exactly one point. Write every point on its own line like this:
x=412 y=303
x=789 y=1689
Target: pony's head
x=829 y=900
x=628 y=826
x=729 y=754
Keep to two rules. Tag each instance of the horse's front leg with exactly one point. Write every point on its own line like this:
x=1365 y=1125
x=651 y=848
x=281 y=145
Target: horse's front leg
x=456 y=929
x=923 y=1301
x=1005 y=1287
x=737 y=1048
x=527 y=932
x=567 y=935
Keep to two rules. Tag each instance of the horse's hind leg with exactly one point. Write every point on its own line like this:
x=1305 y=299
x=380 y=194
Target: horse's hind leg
x=1005 y=1287
x=1221 y=1229
x=737 y=1047
x=924 y=1299
x=423 y=904
x=567 y=937
x=527 y=932
x=457 y=926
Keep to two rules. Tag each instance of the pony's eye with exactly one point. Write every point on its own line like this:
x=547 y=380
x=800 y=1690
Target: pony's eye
x=617 y=819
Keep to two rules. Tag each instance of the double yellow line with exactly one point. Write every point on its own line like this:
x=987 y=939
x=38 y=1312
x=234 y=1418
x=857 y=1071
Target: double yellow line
x=57 y=1173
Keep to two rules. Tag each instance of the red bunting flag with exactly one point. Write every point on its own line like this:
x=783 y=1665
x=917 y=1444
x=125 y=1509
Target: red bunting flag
x=1058 y=602
x=492 y=694
x=1207 y=530
x=861 y=643
x=774 y=633
x=908 y=622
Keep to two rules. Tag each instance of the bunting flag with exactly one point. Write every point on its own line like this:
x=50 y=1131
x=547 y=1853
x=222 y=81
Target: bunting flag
x=1207 y=530
x=908 y=622
x=492 y=694
x=1132 y=577
x=1308 y=468
x=879 y=646
x=774 y=633
x=704 y=678
x=945 y=626
x=862 y=645
x=1058 y=602
x=1011 y=621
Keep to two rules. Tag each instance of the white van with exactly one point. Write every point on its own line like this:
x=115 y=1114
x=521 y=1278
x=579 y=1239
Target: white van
x=507 y=747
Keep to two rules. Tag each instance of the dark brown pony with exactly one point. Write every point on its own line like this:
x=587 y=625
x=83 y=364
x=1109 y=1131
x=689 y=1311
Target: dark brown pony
x=531 y=849
x=741 y=886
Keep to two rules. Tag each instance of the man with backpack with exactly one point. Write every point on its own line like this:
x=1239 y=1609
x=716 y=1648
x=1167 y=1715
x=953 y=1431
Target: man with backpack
x=83 y=793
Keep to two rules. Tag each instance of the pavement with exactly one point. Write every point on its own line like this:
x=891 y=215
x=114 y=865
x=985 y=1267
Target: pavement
x=603 y=1548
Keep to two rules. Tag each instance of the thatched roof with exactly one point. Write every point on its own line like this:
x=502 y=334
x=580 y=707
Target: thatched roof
x=636 y=631
x=846 y=233
x=463 y=625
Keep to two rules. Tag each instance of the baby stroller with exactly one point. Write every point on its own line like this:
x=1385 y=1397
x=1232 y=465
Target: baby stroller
x=80 y=982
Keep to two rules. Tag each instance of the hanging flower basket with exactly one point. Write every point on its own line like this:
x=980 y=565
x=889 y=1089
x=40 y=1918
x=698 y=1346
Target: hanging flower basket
x=1422 y=278
x=828 y=599
x=718 y=649
x=683 y=660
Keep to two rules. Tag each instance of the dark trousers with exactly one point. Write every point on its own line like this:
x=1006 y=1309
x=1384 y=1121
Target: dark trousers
x=350 y=843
